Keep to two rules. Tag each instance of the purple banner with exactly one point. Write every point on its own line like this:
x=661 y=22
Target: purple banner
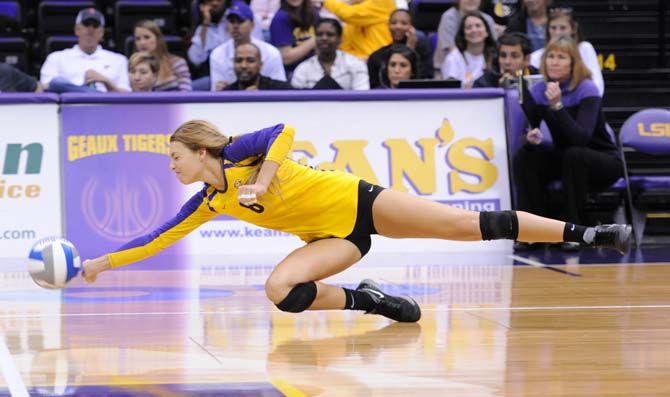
x=112 y=191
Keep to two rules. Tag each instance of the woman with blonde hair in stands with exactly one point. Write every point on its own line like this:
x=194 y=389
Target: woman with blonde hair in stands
x=143 y=69
x=562 y=22
x=583 y=157
x=174 y=74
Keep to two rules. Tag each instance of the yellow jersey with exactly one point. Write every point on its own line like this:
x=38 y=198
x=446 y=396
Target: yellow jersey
x=312 y=204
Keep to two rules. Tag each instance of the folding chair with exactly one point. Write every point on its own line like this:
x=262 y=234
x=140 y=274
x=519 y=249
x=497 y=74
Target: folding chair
x=644 y=145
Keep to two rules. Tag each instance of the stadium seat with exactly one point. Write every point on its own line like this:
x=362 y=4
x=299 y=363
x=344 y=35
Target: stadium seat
x=11 y=9
x=426 y=14
x=57 y=43
x=645 y=147
x=129 y=12
x=58 y=17
x=14 y=51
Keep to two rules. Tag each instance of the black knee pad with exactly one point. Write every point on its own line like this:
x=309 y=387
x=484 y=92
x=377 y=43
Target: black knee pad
x=299 y=299
x=499 y=225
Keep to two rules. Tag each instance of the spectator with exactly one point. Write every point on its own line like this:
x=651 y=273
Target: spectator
x=264 y=11
x=240 y=21
x=247 y=65
x=402 y=32
x=366 y=24
x=14 y=80
x=292 y=31
x=562 y=22
x=331 y=68
x=473 y=52
x=584 y=156
x=143 y=71
x=450 y=22
x=173 y=74
x=531 y=20
x=401 y=63
x=212 y=32
x=513 y=57
x=86 y=67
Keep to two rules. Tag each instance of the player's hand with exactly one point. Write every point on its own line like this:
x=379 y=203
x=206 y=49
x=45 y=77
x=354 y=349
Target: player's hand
x=92 y=267
x=553 y=93
x=534 y=137
x=249 y=194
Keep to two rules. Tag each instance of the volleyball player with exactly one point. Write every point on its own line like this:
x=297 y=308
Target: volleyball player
x=250 y=177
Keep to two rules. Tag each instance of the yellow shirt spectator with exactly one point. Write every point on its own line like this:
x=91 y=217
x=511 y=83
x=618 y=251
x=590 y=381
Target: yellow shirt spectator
x=366 y=28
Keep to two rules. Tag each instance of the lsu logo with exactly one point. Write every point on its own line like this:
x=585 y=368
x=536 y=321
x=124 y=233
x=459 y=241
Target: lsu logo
x=655 y=129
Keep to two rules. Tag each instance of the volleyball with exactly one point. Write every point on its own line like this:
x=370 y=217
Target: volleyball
x=53 y=262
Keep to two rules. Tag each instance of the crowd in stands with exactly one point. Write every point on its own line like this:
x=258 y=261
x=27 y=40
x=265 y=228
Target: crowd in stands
x=315 y=44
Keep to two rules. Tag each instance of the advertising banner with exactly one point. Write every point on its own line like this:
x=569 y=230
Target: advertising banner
x=115 y=170
x=120 y=187
x=30 y=195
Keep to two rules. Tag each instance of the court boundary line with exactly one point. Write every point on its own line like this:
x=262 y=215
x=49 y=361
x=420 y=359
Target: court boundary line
x=246 y=312
x=531 y=262
x=10 y=373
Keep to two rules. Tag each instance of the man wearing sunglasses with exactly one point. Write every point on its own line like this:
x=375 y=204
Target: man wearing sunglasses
x=86 y=67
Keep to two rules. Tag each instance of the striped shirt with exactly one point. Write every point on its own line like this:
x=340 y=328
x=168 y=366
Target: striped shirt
x=180 y=79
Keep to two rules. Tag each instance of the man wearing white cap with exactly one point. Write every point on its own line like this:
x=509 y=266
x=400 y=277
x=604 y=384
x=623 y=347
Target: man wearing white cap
x=86 y=67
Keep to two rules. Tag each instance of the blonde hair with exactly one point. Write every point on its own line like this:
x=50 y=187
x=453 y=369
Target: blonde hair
x=142 y=57
x=566 y=44
x=161 y=52
x=201 y=134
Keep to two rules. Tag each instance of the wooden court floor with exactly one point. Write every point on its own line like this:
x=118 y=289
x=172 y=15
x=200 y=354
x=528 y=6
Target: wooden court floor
x=504 y=329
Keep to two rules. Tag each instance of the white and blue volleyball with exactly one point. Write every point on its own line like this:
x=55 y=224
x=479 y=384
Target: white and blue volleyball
x=53 y=262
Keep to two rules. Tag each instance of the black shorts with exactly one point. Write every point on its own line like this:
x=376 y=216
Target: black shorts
x=364 y=227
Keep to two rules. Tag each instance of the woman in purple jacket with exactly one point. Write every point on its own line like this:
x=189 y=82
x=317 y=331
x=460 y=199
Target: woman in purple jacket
x=584 y=156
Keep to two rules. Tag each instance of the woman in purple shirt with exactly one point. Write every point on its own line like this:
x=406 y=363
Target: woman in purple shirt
x=292 y=31
x=584 y=157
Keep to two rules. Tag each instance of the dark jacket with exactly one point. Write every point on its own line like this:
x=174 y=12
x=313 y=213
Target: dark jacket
x=377 y=58
x=265 y=83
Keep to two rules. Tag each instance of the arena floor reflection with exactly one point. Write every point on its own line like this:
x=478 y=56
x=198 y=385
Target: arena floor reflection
x=494 y=324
